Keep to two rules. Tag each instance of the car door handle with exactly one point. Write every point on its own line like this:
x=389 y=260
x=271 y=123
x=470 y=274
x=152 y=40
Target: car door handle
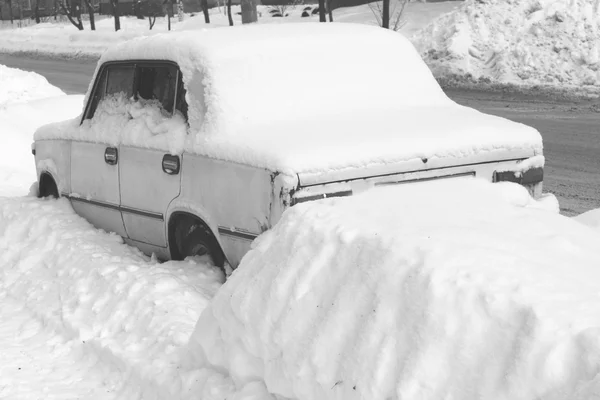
x=111 y=155
x=171 y=164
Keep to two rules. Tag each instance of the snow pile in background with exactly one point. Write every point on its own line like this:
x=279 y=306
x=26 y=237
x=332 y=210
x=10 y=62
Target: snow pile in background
x=96 y=318
x=26 y=102
x=528 y=42
x=590 y=218
x=435 y=290
x=17 y=86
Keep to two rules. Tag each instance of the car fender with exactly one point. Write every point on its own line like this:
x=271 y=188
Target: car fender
x=185 y=205
x=48 y=166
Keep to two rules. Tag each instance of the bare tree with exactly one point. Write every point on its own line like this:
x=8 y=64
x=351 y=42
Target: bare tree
x=152 y=9
x=36 y=11
x=73 y=12
x=10 y=11
x=322 y=17
x=90 y=10
x=229 y=16
x=330 y=10
x=115 y=9
x=249 y=14
x=392 y=18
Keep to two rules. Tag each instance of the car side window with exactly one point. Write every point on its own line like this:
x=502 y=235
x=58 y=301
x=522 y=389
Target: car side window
x=113 y=79
x=157 y=83
x=146 y=80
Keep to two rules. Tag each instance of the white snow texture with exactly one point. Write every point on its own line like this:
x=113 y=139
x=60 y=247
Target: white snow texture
x=436 y=290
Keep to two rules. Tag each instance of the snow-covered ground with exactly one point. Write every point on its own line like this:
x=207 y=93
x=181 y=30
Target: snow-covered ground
x=453 y=289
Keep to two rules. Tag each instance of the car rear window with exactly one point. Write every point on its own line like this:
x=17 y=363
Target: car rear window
x=148 y=81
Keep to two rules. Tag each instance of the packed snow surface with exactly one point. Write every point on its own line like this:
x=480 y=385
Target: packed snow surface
x=27 y=101
x=244 y=107
x=529 y=42
x=451 y=289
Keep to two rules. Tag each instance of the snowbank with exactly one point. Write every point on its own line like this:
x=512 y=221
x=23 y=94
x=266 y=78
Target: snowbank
x=116 y=323
x=437 y=290
x=27 y=101
x=547 y=42
x=19 y=86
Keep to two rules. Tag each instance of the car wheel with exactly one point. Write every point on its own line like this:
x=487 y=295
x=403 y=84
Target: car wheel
x=47 y=187
x=195 y=240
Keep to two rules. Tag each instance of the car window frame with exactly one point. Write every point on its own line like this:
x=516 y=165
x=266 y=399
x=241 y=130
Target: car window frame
x=135 y=64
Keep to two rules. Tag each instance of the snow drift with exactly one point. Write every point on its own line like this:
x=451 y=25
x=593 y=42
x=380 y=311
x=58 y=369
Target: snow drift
x=531 y=42
x=119 y=322
x=27 y=101
x=19 y=86
x=453 y=289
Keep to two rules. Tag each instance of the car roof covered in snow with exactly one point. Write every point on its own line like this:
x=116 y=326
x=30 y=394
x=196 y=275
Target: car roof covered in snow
x=306 y=97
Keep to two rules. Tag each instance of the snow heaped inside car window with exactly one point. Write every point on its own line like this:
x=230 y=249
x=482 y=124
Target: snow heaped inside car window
x=158 y=83
x=115 y=79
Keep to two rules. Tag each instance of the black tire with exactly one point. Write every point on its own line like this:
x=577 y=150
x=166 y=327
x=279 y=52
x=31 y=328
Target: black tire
x=195 y=239
x=47 y=187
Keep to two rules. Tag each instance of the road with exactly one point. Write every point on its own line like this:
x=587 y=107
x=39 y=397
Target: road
x=570 y=128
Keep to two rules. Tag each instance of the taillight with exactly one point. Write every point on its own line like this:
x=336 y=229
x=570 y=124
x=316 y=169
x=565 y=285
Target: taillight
x=529 y=177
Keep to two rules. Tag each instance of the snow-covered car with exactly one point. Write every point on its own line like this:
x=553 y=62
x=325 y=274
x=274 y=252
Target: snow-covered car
x=196 y=142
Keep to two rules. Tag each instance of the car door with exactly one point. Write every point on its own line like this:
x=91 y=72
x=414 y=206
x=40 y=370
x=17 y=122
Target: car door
x=149 y=178
x=95 y=162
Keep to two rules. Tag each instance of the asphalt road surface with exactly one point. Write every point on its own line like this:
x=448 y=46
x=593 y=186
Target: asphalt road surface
x=570 y=128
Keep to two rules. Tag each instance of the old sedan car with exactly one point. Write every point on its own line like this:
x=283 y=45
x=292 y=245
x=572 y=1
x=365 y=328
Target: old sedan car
x=193 y=143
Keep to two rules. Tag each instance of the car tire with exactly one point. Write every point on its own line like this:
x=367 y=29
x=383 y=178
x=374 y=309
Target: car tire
x=47 y=187
x=195 y=240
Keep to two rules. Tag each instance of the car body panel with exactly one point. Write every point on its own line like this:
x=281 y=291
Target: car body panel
x=95 y=192
x=237 y=197
x=54 y=157
x=146 y=192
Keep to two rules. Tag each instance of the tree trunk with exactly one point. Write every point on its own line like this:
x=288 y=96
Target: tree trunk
x=10 y=12
x=36 y=11
x=90 y=8
x=322 y=17
x=169 y=12
x=385 y=15
x=229 y=13
x=330 y=10
x=69 y=12
x=204 y=5
x=249 y=14
x=115 y=7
